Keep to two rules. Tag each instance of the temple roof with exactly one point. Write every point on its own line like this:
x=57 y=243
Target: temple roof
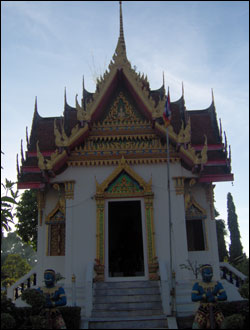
x=194 y=134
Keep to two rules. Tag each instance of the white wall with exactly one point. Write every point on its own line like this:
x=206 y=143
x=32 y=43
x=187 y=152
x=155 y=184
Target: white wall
x=81 y=220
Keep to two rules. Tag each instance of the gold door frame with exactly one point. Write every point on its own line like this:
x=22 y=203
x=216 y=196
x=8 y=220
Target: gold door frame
x=123 y=182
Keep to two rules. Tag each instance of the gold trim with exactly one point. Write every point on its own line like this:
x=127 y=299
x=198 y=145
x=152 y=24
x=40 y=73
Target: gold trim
x=136 y=161
x=40 y=205
x=184 y=135
x=179 y=184
x=122 y=166
x=121 y=115
x=69 y=187
x=199 y=158
x=189 y=202
x=60 y=206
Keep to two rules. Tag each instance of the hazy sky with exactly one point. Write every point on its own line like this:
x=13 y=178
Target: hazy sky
x=47 y=46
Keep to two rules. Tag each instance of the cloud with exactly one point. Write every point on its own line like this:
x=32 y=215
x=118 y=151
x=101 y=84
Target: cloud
x=35 y=17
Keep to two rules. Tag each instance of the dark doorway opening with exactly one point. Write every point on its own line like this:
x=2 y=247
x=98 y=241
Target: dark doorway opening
x=125 y=241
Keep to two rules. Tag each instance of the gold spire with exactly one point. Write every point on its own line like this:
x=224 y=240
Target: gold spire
x=121 y=47
x=65 y=98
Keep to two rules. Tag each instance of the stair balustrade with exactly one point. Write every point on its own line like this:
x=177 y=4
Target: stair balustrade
x=231 y=274
x=27 y=281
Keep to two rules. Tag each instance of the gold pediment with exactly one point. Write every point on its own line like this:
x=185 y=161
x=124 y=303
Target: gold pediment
x=123 y=181
x=122 y=112
x=193 y=209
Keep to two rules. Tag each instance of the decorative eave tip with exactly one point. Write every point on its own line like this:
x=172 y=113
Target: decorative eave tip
x=36 y=114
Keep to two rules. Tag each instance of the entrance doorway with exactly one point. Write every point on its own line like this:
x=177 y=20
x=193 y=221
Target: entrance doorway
x=125 y=240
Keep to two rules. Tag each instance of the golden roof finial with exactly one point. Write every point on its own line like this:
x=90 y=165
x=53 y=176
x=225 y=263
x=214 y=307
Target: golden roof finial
x=121 y=47
x=65 y=97
x=121 y=22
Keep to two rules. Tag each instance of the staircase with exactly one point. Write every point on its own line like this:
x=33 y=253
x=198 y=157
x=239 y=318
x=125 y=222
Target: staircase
x=127 y=305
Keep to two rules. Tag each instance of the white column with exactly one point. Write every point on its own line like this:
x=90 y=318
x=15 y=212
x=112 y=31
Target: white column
x=69 y=250
x=179 y=235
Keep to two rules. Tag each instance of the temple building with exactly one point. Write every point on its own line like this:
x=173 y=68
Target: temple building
x=108 y=214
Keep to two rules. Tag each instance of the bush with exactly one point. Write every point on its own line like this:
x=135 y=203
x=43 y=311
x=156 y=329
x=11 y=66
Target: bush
x=244 y=289
x=71 y=316
x=7 y=305
x=22 y=316
x=7 y=321
x=38 y=322
x=34 y=298
x=29 y=318
x=235 y=321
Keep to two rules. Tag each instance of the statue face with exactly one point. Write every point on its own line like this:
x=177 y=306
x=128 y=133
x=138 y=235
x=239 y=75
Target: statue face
x=207 y=274
x=49 y=279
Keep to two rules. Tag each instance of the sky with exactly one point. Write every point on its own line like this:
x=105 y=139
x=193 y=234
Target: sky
x=50 y=45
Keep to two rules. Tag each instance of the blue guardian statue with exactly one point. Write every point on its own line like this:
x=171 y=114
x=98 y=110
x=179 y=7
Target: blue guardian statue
x=208 y=292
x=55 y=297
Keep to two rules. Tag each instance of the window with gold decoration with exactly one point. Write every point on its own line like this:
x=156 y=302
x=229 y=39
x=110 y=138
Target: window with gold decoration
x=56 y=234
x=55 y=222
x=195 y=226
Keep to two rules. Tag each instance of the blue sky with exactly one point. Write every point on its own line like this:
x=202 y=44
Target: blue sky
x=47 y=46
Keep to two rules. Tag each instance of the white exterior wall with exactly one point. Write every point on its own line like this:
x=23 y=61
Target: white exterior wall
x=210 y=255
x=44 y=261
x=81 y=223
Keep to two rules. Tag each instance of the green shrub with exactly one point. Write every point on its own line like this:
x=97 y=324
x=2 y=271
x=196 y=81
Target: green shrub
x=7 y=321
x=71 y=316
x=34 y=298
x=235 y=321
x=38 y=322
x=7 y=305
x=22 y=315
x=244 y=289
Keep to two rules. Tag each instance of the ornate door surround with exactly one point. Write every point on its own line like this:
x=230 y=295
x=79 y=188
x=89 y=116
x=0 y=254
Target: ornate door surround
x=124 y=182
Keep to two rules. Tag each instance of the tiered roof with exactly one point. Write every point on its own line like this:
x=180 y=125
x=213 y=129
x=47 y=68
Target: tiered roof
x=195 y=137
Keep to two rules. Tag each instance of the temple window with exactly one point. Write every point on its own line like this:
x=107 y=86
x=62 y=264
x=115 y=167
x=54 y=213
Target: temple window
x=195 y=235
x=195 y=226
x=56 y=234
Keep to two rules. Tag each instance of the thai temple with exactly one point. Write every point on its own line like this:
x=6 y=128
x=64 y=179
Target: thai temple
x=126 y=205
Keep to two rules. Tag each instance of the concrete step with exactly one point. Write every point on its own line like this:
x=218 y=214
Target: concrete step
x=126 y=313
x=126 y=291
x=126 y=284
x=143 y=322
x=128 y=306
x=134 y=298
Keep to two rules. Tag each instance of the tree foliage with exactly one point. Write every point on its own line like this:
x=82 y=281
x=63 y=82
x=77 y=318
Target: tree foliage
x=13 y=244
x=13 y=268
x=27 y=214
x=221 y=233
x=7 y=205
x=235 y=247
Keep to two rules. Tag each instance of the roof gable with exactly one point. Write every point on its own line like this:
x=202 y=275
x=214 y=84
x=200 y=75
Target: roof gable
x=123 y=118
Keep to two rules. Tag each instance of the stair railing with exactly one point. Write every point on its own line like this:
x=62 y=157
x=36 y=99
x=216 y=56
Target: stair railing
x=231 y=274
x=27 y=281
